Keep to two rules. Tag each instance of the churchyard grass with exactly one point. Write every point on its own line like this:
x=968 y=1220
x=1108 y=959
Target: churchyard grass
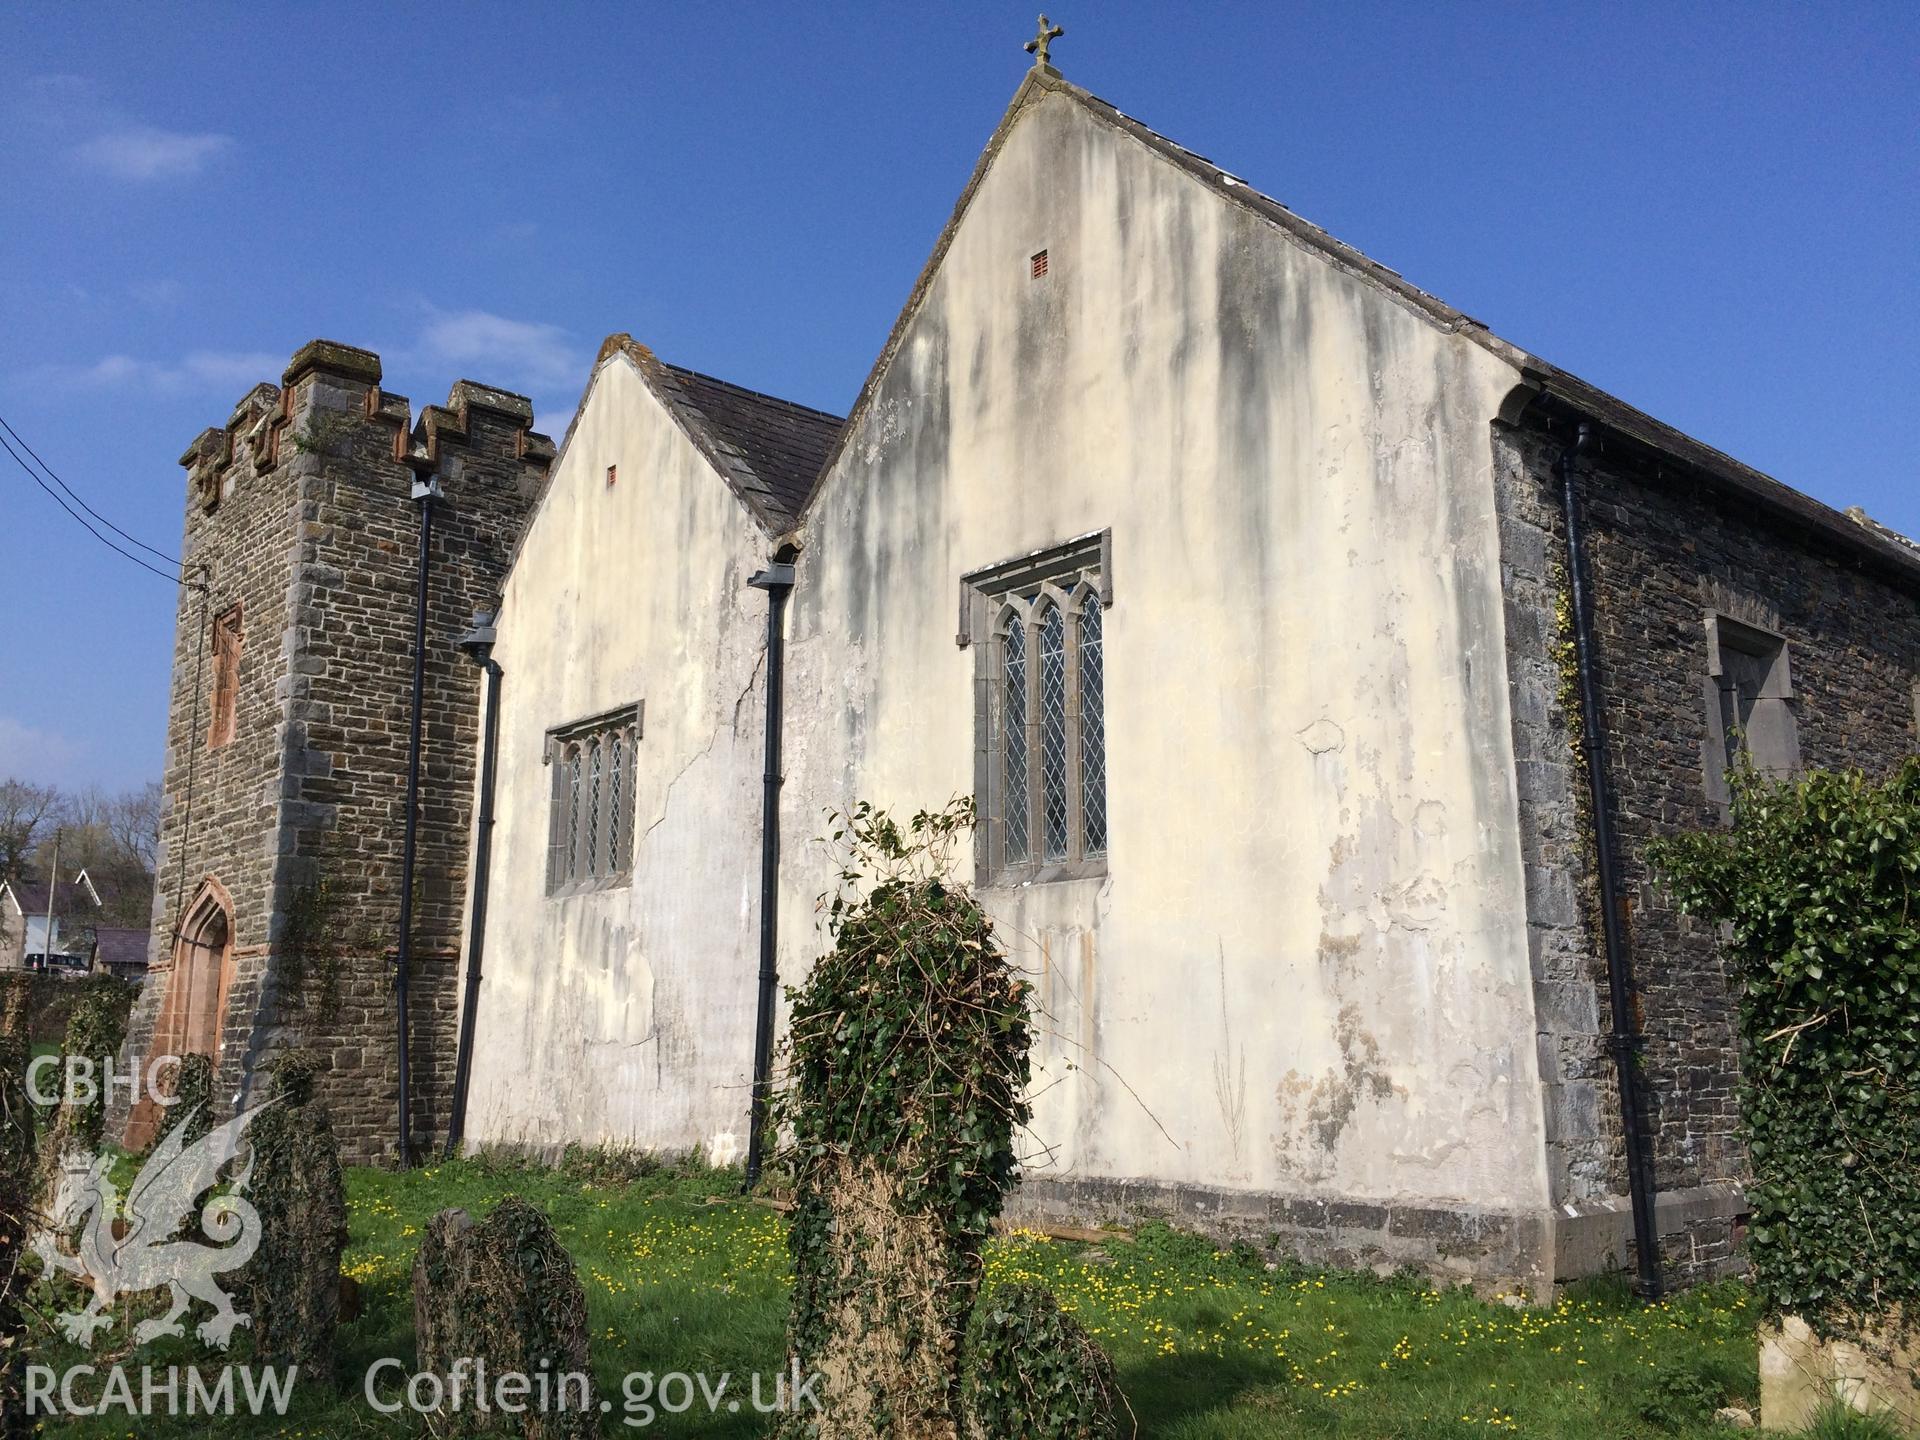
x=681 y=1275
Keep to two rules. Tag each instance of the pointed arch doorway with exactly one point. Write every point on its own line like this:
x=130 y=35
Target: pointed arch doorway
x=193 y=1010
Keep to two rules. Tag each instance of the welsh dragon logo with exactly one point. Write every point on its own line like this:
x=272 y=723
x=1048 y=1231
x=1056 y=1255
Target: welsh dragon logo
x=149 y=1249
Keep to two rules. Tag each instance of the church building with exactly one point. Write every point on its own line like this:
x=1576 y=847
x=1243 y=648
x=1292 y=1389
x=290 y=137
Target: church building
x=1320 y=664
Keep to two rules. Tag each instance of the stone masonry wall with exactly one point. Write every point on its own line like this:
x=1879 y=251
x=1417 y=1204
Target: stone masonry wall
x=1664 y=549
x=219 y=806
x=302 y=815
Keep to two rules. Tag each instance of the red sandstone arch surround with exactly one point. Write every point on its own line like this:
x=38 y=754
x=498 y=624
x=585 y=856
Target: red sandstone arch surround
x=193 y=1012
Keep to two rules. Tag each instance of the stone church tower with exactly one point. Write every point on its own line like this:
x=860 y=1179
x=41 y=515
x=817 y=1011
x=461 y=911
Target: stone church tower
x=277 y=909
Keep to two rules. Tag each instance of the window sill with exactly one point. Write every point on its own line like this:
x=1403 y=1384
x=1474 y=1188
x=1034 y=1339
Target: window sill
x=590 y=887
x=1054 y=872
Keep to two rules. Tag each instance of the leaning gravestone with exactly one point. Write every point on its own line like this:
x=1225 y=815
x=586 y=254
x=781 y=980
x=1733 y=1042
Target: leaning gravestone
x=301 y=1196
x=503 y=1295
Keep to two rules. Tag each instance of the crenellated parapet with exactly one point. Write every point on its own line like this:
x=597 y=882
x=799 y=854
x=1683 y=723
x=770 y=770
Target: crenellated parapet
x=329 y=389
x=248 y=438
x=473 y=412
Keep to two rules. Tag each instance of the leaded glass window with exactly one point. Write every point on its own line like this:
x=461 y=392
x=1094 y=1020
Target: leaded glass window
x=1013 y=737
x=590 y=851
x=573 y=812
x=1093 y=729
x=616 y=831
x=590 y=840
x=1041 y=755
x=1053 y=732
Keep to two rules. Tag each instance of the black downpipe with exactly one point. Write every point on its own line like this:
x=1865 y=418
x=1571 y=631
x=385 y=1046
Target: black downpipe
x=1624 y=1042
x=777 y=581
x=482 y=857
x=425 y=492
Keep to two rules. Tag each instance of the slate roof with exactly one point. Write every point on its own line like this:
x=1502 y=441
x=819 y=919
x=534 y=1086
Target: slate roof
x=31 y=897
x=118 y=946
x=773 y=448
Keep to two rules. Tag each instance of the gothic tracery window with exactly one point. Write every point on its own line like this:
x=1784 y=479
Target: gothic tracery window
x=590 y=825
x=1041 y=762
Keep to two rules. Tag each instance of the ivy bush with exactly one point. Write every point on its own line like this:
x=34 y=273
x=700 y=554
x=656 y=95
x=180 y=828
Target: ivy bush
x=906 y=1069
x=504 y=1292
x=191 y=1086
x=1033 y=1371
x=301 y=1196
x=1816 y=882
x=95 y=1027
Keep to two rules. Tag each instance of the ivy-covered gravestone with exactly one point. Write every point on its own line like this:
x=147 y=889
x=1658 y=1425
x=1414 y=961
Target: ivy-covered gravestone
x=1032 y=1370
x=502 y=1297
x=298 y=1190
x=96 y=1027
x=1817 y=883
x=17 y=1184
x=906 y=1073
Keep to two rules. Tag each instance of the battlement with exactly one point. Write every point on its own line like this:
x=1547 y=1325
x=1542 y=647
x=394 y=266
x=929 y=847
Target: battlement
x=326 y=388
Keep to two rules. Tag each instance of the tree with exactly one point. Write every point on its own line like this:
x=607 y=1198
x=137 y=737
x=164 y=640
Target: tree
x=133 y=818
x=114 y=838
x=28 y=814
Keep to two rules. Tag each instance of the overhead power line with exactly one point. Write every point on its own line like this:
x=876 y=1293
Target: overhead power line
x=175 y=577
x=48 y=471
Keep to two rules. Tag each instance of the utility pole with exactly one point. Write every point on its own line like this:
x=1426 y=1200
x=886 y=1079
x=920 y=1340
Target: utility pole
x=53 y=884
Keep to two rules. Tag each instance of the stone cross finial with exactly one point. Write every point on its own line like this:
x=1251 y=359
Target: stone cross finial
x=1037 y=47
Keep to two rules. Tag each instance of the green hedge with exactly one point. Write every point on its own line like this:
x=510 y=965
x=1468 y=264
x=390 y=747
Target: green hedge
x=1818 y=884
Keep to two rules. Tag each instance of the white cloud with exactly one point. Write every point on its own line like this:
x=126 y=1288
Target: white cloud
x=196 y=372
x=519 y=354
x=146 y=152
x=37 y=755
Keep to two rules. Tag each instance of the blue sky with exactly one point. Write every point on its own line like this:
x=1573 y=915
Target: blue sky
x=1709 y=210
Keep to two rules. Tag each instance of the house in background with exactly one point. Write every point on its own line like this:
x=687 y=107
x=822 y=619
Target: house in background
x=121 y=951
x=76 y=908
